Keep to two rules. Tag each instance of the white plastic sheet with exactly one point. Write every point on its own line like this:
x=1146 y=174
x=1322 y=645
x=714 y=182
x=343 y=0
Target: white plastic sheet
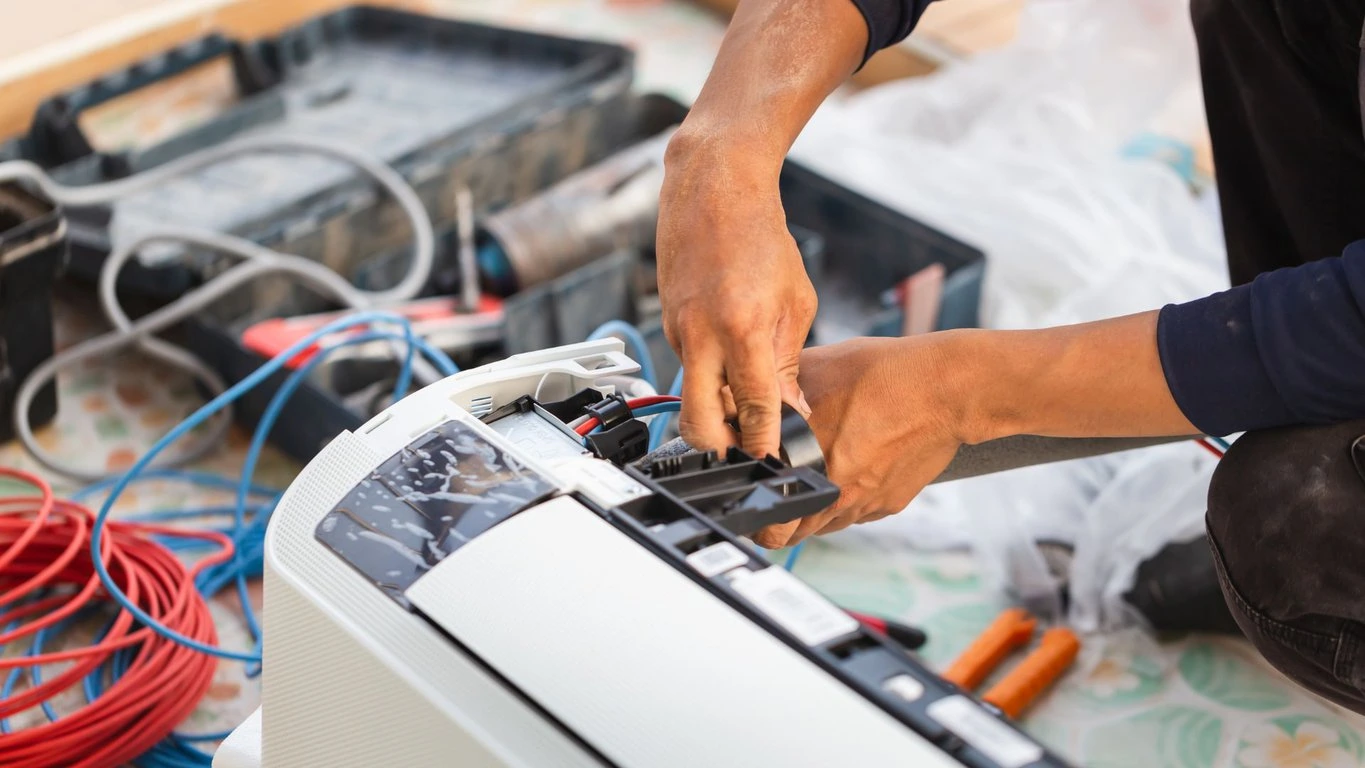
x=1020 y=152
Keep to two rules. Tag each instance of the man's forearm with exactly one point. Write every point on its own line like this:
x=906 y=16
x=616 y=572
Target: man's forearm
x=1101 y=379
x=779 y=60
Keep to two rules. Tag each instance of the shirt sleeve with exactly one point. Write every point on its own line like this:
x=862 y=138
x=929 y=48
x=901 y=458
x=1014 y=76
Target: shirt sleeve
x=889 y=21
x=1287 y=348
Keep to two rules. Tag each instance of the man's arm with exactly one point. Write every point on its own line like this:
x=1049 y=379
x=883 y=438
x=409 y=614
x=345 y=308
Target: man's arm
x=736 y=300
x=891 y=413
x=1100 y=379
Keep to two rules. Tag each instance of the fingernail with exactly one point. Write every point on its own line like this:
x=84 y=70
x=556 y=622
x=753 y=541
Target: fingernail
x=802 y=405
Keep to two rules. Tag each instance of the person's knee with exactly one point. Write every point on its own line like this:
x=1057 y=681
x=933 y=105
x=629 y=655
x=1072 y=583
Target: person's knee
x=1257 y=503
x=1284 y=521
x=1285 y=512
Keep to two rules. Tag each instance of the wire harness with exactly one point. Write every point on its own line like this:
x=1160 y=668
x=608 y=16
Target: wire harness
x=254 y=262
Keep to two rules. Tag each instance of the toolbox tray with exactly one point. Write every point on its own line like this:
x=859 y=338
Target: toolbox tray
x=846 y=240
x=445 y=102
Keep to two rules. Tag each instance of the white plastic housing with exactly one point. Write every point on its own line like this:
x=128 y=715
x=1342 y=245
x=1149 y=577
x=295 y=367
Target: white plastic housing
x=624 y=652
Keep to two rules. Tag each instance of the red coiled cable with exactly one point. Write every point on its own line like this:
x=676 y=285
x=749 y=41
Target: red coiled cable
x=45 y=545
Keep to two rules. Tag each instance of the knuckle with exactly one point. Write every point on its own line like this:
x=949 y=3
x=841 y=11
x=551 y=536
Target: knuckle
x=699 y=435
x=769 y=538
x=774 y=536
x=689 y=322
x=789 y=362
x=690 y=427
x=737 y=324
x=752 y=410
x=671 y=334
x=806 y=303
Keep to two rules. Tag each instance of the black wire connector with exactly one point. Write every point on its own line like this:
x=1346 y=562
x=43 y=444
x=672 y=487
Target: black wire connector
x=621 y=438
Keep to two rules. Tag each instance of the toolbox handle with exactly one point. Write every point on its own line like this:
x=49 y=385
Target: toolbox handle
x=55 y=136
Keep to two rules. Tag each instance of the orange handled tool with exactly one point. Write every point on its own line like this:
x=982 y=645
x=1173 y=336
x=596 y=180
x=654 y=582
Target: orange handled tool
x=1011 y=630
x=1040 y=669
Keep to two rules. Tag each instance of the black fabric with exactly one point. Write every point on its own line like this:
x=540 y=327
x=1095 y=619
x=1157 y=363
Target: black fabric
x=889 y=21
x=1286 y=521
x=1177 y=591
x=1281 y=92
x=1287 y=348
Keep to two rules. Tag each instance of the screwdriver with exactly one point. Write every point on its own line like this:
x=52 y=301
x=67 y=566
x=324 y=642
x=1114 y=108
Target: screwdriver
x=911 y=638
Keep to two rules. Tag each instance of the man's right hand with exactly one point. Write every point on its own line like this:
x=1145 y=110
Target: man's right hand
x=736 y=299
x=737 y=302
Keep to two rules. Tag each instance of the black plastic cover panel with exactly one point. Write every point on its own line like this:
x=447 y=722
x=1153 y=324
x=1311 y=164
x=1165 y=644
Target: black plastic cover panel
x=441 y=491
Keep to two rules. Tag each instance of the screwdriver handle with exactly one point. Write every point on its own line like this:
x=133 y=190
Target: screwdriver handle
x=1044 y=666
x=1011 y=630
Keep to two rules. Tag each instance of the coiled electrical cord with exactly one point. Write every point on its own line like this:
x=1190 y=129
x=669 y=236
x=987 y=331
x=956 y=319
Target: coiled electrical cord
x=44 y=575
x=256 y=262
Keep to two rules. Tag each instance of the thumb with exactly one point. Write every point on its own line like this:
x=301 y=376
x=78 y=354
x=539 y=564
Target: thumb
x=776 y=536
x=752 y=375
x=790 y=388
x=789 y=343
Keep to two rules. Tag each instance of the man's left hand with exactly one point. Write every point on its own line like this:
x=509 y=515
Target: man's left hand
x=883 y=412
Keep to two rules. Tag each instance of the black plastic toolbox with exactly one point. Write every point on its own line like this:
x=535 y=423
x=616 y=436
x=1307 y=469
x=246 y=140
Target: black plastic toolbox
x=445 y=102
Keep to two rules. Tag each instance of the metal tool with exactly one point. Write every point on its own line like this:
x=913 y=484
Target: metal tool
x=610 y=206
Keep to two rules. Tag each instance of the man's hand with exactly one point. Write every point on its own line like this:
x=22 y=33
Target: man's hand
x=737 y=302
x=891 y=413
x=881 y=409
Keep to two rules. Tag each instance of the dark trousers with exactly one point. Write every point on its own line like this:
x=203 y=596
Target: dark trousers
x=1286 y=523
x=1281 y=89
x=1286 y=515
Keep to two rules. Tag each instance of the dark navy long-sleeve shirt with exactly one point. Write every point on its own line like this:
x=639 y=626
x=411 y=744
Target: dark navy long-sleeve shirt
x=1286 y=348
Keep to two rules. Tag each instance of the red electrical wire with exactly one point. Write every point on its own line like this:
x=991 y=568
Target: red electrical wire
x=45 y=543
x=638 y=402
x=1210 y=447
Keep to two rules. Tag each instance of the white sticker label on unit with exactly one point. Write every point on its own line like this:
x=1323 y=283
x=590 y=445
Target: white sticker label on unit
x=985 y=733
x=717 y=558
x=533 y=436
x=799 y=609
x=602 y=482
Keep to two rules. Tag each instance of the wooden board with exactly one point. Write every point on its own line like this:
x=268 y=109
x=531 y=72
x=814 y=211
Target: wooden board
x=63 y=43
